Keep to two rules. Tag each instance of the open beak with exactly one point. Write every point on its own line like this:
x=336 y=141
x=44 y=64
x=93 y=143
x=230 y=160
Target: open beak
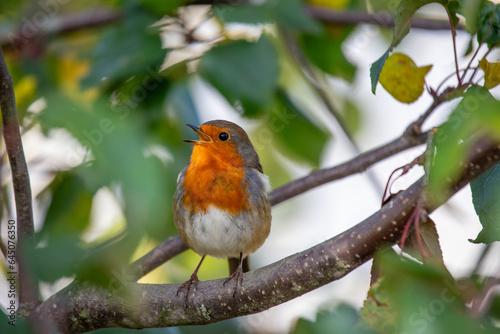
x=202 y=136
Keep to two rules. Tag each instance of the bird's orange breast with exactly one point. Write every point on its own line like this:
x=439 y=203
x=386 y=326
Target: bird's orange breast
x=215 y=179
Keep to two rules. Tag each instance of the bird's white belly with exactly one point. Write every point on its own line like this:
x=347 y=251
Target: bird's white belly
x=219 y=234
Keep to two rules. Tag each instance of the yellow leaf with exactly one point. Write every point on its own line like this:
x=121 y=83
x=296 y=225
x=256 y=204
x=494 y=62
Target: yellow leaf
x=25 y=90
x=338 y=4
x=491 y=73
x=401 y=78
x=70 y=71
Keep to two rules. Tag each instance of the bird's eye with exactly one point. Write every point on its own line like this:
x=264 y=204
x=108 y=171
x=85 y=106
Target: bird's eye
x=223 y=136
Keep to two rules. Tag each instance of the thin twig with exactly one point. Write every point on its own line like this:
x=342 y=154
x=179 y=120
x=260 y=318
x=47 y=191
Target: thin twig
x=446 y=95
x=471 y=60
x=453 y=38
x=464 y=70
x=480 y=260
x=482 y=302
x=28 y=291
x=477 y=68
x=156 y=257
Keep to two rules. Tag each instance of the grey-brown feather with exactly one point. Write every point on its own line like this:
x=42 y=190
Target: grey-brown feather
x=245 y=147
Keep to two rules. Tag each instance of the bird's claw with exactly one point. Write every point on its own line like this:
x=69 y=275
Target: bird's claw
x=238 y=278
x=187 y=286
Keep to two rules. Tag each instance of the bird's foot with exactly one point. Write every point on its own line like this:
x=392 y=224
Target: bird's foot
x=238 y=278
x=187 y=286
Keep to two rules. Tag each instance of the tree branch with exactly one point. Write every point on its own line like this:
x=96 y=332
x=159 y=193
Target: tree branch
x=81 y=307
x=61 y=25
x=156 y=257
x=382 y=18
x=28 y=290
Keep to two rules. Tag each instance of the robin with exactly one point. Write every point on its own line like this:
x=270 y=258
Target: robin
x=220 y=205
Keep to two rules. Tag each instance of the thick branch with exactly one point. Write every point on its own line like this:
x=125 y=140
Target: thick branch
x=28 y=291
x=81 y=307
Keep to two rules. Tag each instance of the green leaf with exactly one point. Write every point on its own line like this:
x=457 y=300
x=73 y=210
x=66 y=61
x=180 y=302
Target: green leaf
x=341 y=320
x=292 y=14
x=402 y=78
x=471 y=10
x=289 y=14
x=478 y=111
x=424 y=299
x=274 y=166
x=453 y=7
x=376 y=69
x=61 y=257
x=378 y=312
x=118 y=143
x=69 y=210
x=12 y=323
x=406 y=11
x=67 y=217
x=325 y=51
x=352 y=115
x=244 y=13
x=243 y=71
x=161 y=8
x=486 y=200
x=125 y=50
x=488 y=26
x=300 y=138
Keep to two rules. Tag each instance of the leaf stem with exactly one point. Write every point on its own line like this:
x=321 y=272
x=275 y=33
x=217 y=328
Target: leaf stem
x=453 y=37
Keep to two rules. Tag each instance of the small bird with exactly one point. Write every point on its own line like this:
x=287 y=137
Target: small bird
x=220 y=205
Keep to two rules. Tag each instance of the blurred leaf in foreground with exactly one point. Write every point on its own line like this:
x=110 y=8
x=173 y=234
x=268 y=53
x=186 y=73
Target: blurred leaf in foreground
x=255 y=62
x=486 y=200
x=477 y=112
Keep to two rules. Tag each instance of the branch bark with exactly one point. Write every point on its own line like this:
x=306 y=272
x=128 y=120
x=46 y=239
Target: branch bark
x=28 y=290
x=81 y=307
